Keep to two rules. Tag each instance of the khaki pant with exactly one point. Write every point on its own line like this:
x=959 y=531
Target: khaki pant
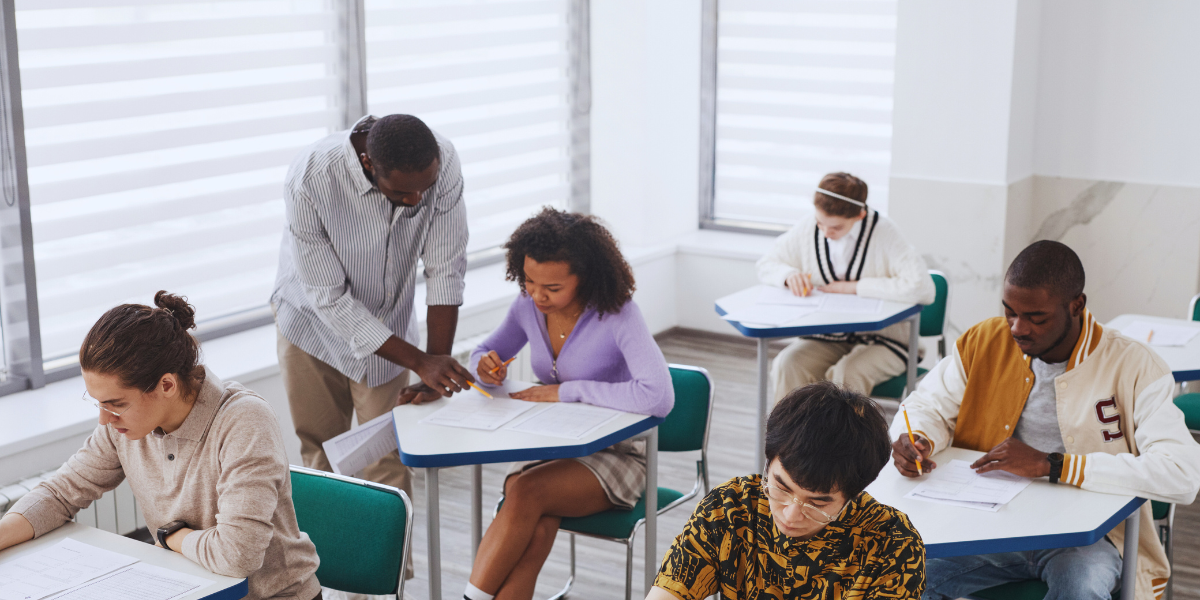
x=321 y=399
x=857 y=367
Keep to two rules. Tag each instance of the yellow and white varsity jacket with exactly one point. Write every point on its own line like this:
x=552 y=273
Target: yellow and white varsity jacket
x=1122 y=432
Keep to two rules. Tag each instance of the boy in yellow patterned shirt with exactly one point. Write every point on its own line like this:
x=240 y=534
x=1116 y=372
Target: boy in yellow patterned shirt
x=806 y=529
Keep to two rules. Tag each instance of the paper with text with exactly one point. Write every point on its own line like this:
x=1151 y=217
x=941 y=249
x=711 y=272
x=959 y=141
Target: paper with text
x=772 y=295
x=850 y=303
x=958 y=484
x=57 y=568
x=571 y=421
x=138 y=582
x=473 y=410
x=769 y=315
x=356 y=449
x=1161 y=334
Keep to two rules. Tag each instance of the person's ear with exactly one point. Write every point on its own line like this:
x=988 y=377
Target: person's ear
x=862 y=213
x=169 y=385
x=1078 y=304
x=366 y=163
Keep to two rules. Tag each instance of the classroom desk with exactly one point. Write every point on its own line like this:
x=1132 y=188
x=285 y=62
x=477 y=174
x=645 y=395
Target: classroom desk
x=812 y=324
x=432 y=447
x=1042 y=516
x=1184 y=361
x=226 y=588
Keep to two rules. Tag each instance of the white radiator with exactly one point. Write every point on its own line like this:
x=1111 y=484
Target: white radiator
x=115 y=511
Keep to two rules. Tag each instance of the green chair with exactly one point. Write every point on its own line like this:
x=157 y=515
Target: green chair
x=933 y=324
x=684 y=430
x=362 y=530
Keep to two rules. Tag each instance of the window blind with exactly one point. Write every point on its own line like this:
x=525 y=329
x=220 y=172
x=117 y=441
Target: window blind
x=158 y=135
x=491 y=75
x=804 y=88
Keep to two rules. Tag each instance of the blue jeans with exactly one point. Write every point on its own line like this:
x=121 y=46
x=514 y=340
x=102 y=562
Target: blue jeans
x=1085 y=572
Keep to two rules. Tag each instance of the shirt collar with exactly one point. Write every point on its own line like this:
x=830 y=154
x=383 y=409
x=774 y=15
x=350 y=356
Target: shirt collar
x=361 y=184
x=204 y=408
x=849 y=238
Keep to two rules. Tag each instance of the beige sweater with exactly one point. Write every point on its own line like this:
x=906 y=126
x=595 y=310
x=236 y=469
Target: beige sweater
x=224 y=472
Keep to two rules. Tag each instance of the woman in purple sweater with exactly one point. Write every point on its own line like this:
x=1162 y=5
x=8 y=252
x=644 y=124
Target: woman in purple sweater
x=589 y=344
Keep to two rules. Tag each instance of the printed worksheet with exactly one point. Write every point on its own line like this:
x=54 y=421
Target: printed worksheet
x=1161 y=334
x=138 y=582
x=769 y=315
x=354 y=450
x=571 y=420
x=473 y=410
x=57 y=568
x=850 y=303
x=958 y=484
x=769 y=294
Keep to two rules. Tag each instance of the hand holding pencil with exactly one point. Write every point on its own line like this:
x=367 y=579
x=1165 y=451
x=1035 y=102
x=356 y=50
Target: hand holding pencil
x=910 y=453
x=492 y=370
x=800 y=284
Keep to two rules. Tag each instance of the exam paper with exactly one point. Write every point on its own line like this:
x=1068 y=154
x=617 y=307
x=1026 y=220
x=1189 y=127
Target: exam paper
x=850 y=303
x=1160 y=334
x=958 y=484
x=769 y=294
x=354 y=450
x=473 y=410
x=769 y=315
x=138 y=582
x=571 y=420
x=62 y=566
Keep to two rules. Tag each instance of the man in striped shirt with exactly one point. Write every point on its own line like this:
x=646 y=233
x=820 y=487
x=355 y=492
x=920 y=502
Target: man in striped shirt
x=363 y=207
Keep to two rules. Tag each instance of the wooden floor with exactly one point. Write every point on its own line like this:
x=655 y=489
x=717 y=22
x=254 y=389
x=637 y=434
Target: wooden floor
x=730 y=361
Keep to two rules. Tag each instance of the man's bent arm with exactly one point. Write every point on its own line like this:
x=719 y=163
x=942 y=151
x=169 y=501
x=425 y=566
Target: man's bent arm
x=441 y=323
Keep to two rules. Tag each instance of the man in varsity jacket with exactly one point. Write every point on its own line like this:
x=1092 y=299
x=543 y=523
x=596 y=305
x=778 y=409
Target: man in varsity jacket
x=1047 y=391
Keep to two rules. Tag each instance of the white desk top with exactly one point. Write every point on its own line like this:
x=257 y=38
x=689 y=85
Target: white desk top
x=423 y=445
x=225 y=588
x=1042 y=516
x=1184 y=361
x=816 y=322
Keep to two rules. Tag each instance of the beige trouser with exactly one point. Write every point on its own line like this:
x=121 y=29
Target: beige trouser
x=321 y=399
x=857 y=367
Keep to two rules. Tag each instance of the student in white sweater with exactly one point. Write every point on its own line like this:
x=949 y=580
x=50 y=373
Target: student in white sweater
x=845 y=247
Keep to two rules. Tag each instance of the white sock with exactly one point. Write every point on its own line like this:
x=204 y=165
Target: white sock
x=474 y=593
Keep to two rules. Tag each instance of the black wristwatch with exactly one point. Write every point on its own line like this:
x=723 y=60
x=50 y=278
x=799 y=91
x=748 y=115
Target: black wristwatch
x=167 y=530
x=1056 y=460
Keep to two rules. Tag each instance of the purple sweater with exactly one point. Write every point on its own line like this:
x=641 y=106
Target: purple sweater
x=612 y=362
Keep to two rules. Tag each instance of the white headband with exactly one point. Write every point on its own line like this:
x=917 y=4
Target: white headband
x=841 y=197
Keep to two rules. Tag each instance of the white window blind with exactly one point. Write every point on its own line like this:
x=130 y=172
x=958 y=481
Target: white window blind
x=158 y=135
x=492 y=75
x=804 y=88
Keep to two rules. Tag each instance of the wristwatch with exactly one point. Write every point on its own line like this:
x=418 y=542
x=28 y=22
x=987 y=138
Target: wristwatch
x=1056 y=460
x=167 y=530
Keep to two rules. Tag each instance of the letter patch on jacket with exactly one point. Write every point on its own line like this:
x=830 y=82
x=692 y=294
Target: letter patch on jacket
x=1102 y=414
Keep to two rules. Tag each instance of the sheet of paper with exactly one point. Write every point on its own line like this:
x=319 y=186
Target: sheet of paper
x=354 y=450
x=770 y=294
x=57 y=568
x=571 y=421
x=138 y=582
x=769 y=315
x=473 y=410
x=850 y=303
x=1160 y=334
x=957 y=483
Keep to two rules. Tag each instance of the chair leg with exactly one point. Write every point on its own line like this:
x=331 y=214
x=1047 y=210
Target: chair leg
x=629 y=570
x=570 y=580
x=1170 y=548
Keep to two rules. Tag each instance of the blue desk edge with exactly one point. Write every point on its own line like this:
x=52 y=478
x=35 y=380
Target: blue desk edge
x=789 y=331
x=239 y=590
x=426 y=461
x=1033 y=542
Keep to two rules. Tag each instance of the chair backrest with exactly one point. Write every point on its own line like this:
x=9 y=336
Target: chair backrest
x=686 y=427
x=361 y=529
x=933 y=316
x=1194 y=308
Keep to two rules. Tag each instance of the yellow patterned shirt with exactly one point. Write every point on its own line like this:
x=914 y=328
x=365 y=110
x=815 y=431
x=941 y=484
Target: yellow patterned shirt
x=731 y=545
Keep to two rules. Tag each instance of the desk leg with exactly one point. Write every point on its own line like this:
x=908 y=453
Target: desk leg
x=914 y=352
x=1129 y=562
x=433 y=524
x=760 y=444
x=476 y=509
x=651 y=508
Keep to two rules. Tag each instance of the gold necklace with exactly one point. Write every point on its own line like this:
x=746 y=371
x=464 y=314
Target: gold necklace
x=562 y=332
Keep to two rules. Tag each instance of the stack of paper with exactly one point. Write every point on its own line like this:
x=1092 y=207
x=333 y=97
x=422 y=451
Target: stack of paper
x=1160 y=334
x=769 y=315
x=850 y=303
x=571 y=421
x=473 y=410
x=957 y=484
x=72 y=570
x=356 y=449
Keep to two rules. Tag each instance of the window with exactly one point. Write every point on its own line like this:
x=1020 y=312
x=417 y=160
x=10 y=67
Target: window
x=802 y=88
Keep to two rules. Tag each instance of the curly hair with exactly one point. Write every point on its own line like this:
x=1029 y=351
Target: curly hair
x=605 y=279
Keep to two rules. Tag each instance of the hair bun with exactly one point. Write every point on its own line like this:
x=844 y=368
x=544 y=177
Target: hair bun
x=177 y=307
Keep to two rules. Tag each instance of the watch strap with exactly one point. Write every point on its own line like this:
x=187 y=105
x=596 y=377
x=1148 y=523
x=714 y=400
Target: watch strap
x=166 y=530
x=1056 y=465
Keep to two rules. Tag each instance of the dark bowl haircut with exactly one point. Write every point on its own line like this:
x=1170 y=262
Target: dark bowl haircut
x=1048 y=265
x=401 y=143
x=828 y=439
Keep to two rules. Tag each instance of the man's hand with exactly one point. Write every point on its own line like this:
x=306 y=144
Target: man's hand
x=490 y=361
x=800 y=284
x=840 y=287
x=443 y=374
x=537 y=393
x=175 y=540
x=417 y=394
x=1016 y=457
x=904 y=455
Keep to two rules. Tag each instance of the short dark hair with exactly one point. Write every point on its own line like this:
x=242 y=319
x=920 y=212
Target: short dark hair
x=401 y=142
x=828 y=439
x=1050 y=265
x=843 y=184
x=139 y=344
x=605 y=279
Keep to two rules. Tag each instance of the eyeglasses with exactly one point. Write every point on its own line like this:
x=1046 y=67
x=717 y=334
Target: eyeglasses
x=94 y=402
x=811 y=512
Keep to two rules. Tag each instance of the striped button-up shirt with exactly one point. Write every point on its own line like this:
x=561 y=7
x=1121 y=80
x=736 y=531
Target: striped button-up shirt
x=348 y=265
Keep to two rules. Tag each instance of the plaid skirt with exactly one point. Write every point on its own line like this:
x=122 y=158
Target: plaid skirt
x=620 y=469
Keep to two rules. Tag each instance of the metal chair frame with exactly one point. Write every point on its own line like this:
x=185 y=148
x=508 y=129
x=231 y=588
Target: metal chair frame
x=408 y=513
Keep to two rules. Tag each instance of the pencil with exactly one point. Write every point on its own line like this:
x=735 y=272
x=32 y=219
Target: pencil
x=1149 y=336
x=808 y=283
x=506 y=363
x=479 y=389
x=913 y=441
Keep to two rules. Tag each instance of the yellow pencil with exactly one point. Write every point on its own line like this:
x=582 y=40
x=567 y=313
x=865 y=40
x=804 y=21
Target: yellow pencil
x=808 y=282
x=506 y=363
x=913 y=441
x=1151 y=335
x=479 y=389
